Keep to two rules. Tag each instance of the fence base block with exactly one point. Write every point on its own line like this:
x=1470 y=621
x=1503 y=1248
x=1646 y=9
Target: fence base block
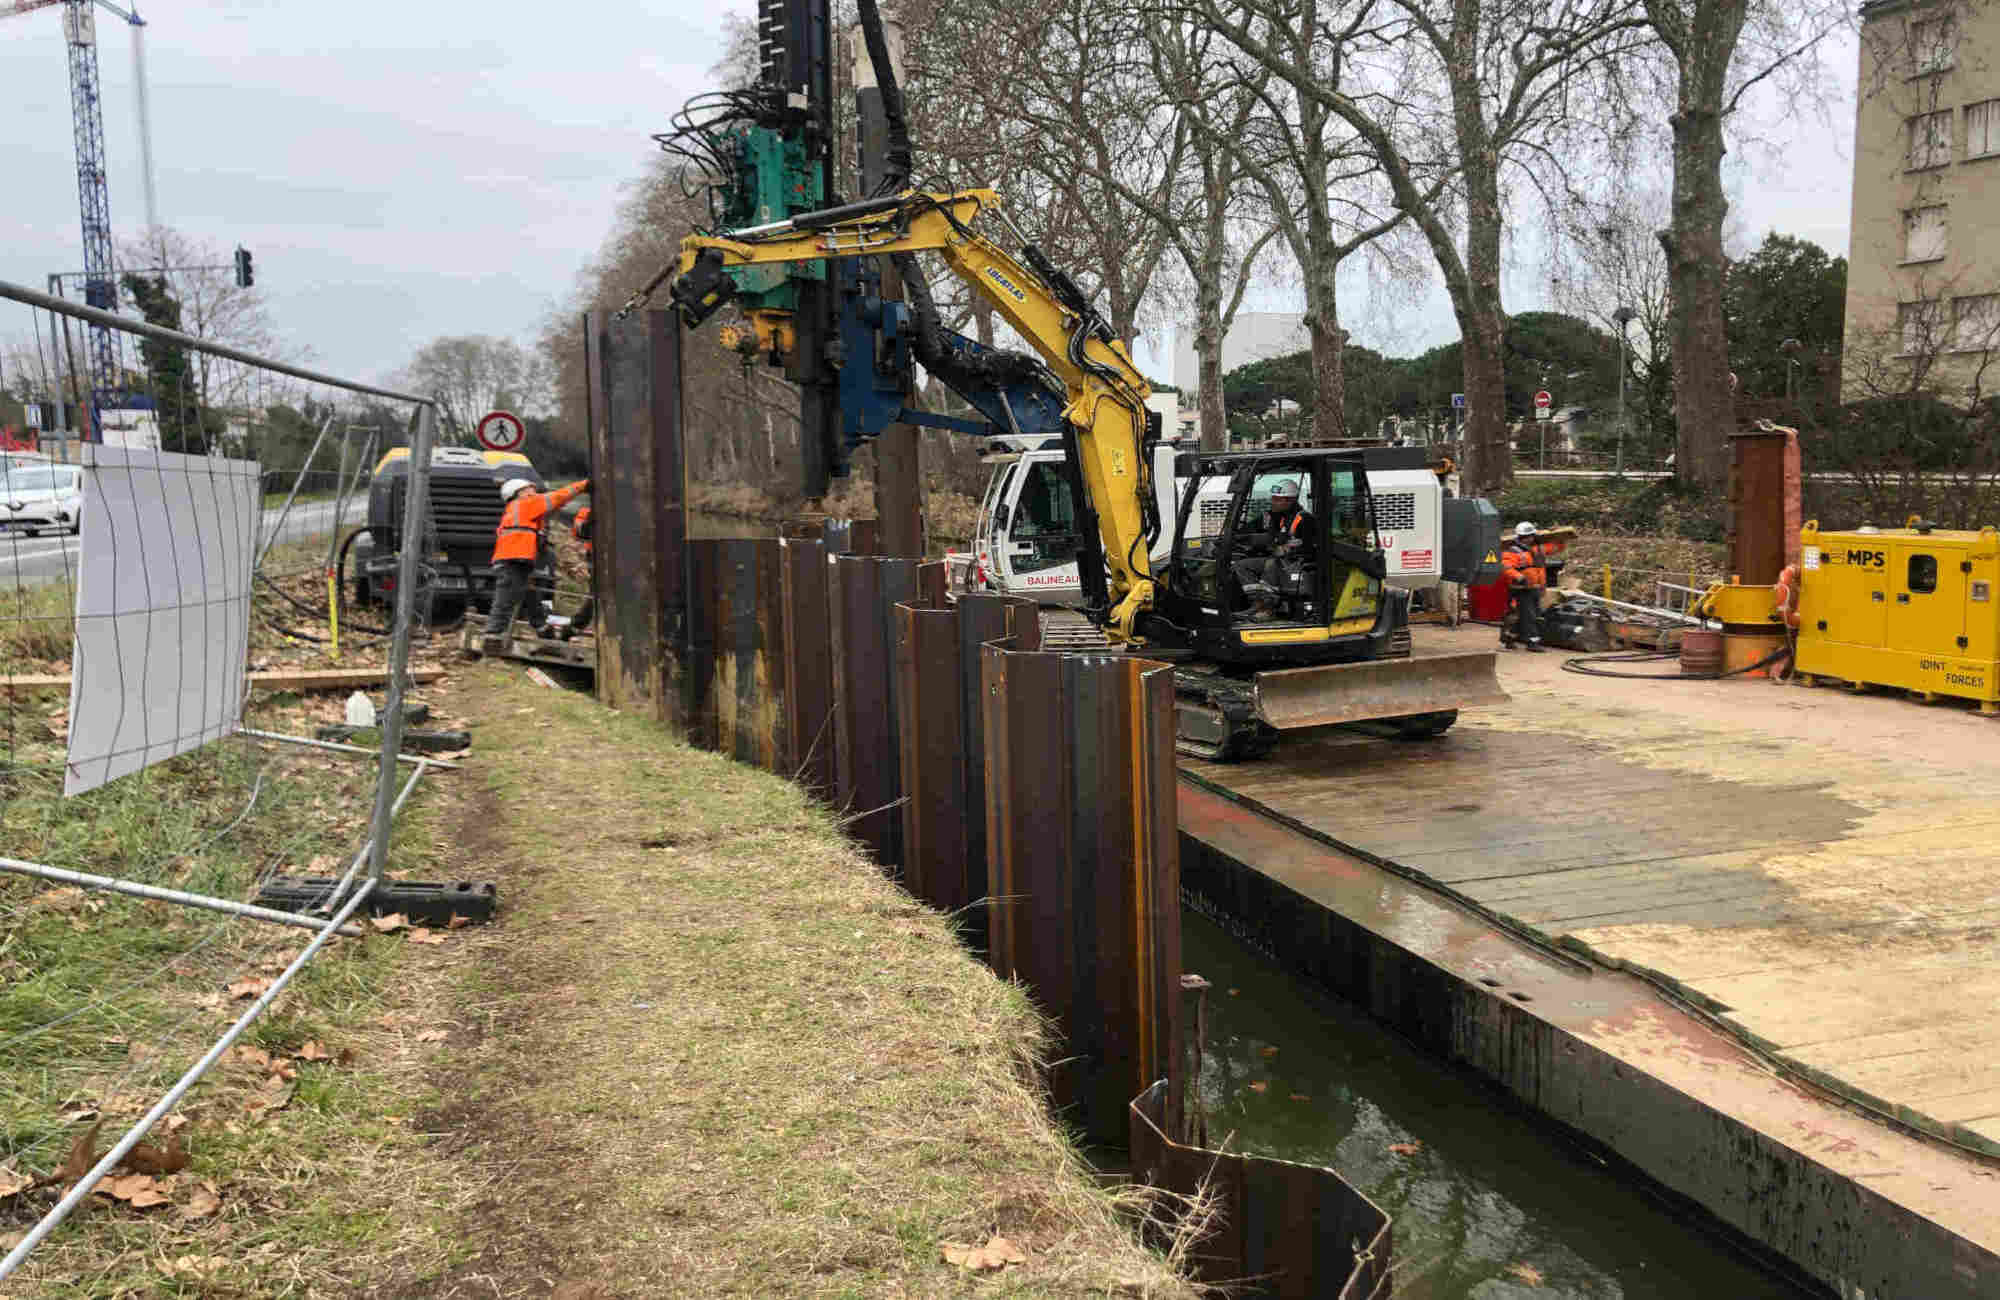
x=419 y=900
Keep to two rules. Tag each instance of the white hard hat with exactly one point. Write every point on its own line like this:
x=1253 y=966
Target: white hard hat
x=1524 y=529
x=514 y=487
x=1286 y=488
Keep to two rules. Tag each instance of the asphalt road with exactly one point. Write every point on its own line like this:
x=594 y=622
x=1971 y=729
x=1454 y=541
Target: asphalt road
x=52 y=558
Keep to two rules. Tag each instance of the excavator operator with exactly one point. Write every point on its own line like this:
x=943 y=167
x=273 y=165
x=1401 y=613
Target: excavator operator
x=1278 y=559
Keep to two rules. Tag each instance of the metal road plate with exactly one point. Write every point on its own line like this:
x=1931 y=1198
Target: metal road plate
x=1290 y=698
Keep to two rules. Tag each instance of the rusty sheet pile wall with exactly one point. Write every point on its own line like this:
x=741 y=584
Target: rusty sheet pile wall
x=975 y=767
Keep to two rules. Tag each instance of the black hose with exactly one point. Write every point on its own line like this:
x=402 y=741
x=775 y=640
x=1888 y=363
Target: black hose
x=899 y=162
x=1586 y=665
x=340 y=580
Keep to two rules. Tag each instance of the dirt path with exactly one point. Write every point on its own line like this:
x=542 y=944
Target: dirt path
x=708 y=1050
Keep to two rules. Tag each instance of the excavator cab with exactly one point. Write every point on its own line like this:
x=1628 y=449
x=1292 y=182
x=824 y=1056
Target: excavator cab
x=1254 y=583
x=1281 y=620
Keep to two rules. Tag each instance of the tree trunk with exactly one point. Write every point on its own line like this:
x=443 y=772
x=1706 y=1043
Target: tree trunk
x=1214 y=419
x=1704 y=406
x=1482 y=327
x=1329 y=377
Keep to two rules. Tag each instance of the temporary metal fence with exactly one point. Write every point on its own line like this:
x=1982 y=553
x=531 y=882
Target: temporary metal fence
x=172 y=615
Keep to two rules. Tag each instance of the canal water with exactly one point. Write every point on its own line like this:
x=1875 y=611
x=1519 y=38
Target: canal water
x=1488 y=1205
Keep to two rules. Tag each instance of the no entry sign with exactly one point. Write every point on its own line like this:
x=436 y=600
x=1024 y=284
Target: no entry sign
x=501 y=431
x=1542 y=401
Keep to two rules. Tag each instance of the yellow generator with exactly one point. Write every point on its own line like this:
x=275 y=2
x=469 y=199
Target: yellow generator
x=1912 y=607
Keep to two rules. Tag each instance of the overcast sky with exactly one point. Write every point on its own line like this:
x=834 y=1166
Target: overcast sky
x=410 y=170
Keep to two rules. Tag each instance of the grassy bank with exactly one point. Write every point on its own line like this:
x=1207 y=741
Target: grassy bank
x=720 y=1054
x=706 y=1049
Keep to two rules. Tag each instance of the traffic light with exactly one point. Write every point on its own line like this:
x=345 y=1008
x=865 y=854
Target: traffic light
x=245 y=276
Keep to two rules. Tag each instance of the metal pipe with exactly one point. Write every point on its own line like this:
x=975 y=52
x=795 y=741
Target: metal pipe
x=160 y=894
x=286 y=509
x=1641 y=609
x=361 y=855
x=88 y=1183
x=345 y=749
x=414 y=508
x=109 y=320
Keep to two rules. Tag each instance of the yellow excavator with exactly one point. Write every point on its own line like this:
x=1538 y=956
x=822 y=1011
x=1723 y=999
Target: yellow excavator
x=1327 y=644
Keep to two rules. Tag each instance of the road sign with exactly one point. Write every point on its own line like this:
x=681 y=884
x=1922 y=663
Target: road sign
x=1542 y=403
x=1458 y=401
x=501 y=431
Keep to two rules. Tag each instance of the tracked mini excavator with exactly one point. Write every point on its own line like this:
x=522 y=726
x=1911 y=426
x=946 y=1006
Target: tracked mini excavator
x=1334 y=650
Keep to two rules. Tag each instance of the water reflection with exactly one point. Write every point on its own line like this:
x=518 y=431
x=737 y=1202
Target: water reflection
x=1487 y=1205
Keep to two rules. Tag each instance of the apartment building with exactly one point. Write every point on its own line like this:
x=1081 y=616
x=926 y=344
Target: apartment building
x=1923 y=280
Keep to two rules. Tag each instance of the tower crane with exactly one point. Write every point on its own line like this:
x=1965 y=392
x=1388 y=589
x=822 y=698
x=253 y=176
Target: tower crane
x=100 y=286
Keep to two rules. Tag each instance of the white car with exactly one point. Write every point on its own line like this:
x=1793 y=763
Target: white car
x=38 y=497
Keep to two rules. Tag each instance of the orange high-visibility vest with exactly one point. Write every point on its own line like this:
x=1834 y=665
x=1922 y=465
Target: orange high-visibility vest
x=580 y=529
x=1524 y=565
x=519 y=536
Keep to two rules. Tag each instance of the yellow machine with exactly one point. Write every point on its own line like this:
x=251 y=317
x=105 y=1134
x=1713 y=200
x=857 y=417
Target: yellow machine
x=1911 y=607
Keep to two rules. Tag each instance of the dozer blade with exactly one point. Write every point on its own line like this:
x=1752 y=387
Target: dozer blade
x=1289 y=698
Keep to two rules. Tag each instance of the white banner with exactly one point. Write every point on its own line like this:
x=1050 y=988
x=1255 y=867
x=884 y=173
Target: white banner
x=162 y=608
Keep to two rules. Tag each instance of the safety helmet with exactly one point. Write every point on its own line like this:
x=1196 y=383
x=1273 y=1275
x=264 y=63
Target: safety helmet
x=514 y=487
x=1524 y=529
x=1287 y=488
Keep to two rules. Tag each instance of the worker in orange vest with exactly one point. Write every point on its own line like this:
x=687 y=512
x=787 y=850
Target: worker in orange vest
x=517 y=544
x=584 y=616
x=1525 y=561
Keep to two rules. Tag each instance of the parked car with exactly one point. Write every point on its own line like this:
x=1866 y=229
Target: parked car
x=41 y=497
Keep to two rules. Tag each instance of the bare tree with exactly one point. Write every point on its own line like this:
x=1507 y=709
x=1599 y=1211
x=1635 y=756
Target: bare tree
x=471 y=374
x=1717 y=52
x=201 y=277
x=1506 y=70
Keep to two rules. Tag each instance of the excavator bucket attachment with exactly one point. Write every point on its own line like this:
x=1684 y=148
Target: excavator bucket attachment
x=1380 y=689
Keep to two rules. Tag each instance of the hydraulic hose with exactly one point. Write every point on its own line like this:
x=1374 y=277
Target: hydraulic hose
x=899 y=162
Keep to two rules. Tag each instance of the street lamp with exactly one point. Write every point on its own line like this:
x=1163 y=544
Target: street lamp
x=1624 y=316
x=1791 y=348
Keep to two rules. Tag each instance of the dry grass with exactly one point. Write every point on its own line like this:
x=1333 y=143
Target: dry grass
x=714 y=1052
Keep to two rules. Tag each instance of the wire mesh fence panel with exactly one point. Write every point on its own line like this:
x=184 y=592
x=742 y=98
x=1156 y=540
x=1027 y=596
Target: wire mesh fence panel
x=163 y=597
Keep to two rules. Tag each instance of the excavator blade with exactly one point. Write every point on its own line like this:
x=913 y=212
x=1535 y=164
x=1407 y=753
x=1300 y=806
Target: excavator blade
x=1289 y=698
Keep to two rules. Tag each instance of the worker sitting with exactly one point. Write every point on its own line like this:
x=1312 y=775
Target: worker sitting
x=580 y=621
x=1277 y=560
x=1526 y=561
x=517 y=545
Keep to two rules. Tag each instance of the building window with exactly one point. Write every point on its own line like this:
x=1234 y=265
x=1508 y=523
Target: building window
x=1922 y=325
x=1931 y=42
x=1976 y=323
x=1982 y=129
x=1930 y=140
x=1924 y=233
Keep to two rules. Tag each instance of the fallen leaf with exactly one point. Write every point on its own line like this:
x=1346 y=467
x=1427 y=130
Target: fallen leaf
x=312 y=1051
x=205 y=1200
x=274 y=1093
x=1267 y=1052
x=148 y=1159
x=1526 y=1273
x=283 y=1071
x=82 y=1155
x=253 y=1056
x=391 y=923
x=62 y=899
x=249 y=988
x=1259 y=1086
x=997 y=1253
x=1300 y=1096
x=195 y=1266
x=140 y=1191
x=174 y=1122
x=431 y=1036
x=418 y=934
x=1406 y=1148
x=457 y=922
x=12 y=1181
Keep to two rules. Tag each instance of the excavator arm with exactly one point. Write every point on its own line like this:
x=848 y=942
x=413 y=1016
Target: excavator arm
x=1106 y=395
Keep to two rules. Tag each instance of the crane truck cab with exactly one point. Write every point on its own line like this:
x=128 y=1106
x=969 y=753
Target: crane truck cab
x=464 y=510
x=1026 y=535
